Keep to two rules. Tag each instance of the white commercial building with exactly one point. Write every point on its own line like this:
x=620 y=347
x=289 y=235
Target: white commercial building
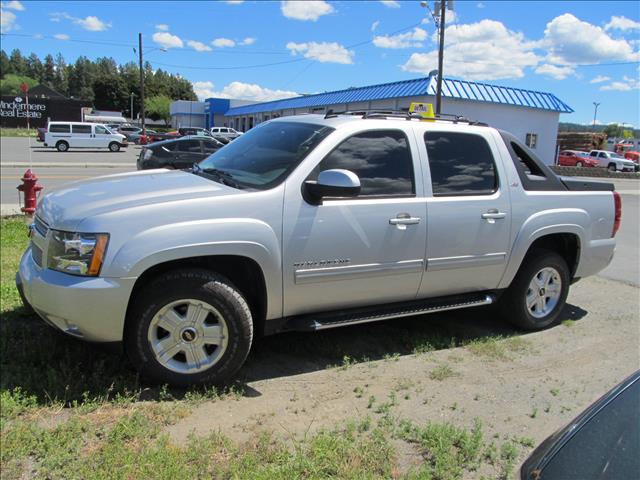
x=530 y=115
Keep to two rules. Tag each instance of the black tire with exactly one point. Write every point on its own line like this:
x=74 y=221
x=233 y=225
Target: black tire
x=612 y=167
x=579 y=164
x=513 y=304
x=198 y=284
x=62 y=146
x=114 y=146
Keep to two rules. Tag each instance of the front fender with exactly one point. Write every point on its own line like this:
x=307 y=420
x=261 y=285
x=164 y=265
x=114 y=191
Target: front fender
x=546 y=222
x=249 y=238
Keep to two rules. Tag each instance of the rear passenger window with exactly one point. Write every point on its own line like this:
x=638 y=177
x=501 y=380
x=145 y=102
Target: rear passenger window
x=380 y=158
x=191 y=146
x=460 y=164
x=81 y=128
x=60 y=128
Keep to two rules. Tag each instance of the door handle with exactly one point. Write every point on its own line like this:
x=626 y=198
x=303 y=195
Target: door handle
x=492 y=214
x=404 y=219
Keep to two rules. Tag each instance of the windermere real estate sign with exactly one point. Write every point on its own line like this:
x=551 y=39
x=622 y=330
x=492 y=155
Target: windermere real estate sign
x=17 y=108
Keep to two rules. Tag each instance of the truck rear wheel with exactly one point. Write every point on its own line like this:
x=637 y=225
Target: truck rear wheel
x=538 y=293
x=189 y=327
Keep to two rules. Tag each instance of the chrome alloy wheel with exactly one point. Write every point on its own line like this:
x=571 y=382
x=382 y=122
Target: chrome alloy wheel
x=544 y=292
x=188 y=336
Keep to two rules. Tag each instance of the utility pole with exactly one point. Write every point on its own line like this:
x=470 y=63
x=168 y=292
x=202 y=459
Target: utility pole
x=595 y=113
x=443 y=9
x=131 y=111
x=144 y=132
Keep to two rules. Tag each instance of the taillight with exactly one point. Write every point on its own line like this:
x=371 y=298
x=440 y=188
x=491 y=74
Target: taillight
x=617 y=202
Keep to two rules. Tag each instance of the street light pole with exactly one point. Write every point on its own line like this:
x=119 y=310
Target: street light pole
x=141 y=85
x=595 y=113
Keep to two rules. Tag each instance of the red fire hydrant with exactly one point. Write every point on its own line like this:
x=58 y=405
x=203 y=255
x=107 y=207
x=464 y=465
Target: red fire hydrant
x=30 y=189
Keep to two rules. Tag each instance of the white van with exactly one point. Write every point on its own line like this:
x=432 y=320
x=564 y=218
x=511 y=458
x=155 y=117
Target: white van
x=66 y=135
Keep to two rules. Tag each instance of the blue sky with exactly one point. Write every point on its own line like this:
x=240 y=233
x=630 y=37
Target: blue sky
x=583 y=52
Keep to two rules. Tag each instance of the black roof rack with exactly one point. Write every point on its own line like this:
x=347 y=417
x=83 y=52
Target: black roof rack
x=378 y=114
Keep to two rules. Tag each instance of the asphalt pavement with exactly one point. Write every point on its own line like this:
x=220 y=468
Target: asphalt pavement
x=23 y=152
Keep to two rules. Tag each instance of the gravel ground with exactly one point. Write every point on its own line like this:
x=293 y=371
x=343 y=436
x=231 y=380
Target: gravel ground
x=526 y=386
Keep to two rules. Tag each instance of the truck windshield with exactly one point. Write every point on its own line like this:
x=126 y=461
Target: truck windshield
x=264 y=156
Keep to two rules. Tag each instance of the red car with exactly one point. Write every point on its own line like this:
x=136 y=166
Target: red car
x=575 y=158
x=633 y=156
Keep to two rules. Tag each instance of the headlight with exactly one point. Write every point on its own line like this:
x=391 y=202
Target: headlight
x=77 y=253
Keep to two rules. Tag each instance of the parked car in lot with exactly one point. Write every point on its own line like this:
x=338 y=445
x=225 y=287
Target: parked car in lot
x=181 y=152
x=129 y=130
x=308 y=223
x=225 y=132
x=603 y=442
x=140 y=139
x=613 y=161
x=575 y=158
x=193 y=131
x=222 y=139
x=40 y=134
x=633 y=156
x=66 y=135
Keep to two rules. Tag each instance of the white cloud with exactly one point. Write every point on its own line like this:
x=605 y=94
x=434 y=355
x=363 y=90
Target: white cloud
x=402 y=40
x=166 y=40
x=248 y=41
x=235 y=2
x=480 y=5
x=390 y=3
x=13 y=5
x=554 y=71
x=163 y=27
x=199 y=46
x=240 y=90
x=61 y=36
x=38 y=36
x=600 y=79
x=622 y=23
x=485 y=50
x=91 y=22
x=307 y=10
x=375 y=25
x=625 y=85
x=569 y=40
x=7 y=21
x=223 y=42
x=324 y=52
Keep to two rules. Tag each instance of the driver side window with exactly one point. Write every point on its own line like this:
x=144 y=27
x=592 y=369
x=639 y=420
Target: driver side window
x=380 y=158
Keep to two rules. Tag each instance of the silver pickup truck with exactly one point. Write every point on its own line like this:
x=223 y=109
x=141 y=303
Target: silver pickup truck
x=312 y=222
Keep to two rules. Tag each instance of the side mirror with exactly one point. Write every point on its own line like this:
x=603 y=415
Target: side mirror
x=332 y=183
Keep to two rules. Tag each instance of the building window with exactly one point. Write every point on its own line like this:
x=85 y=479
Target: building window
x=532 y=140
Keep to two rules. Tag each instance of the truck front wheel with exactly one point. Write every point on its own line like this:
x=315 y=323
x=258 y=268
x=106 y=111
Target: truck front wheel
x=189 y=327
x=538 y=293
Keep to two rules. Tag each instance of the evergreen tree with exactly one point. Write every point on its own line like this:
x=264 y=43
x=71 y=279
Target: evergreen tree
x=5 y=64
x=49 y=71
x=34 y=67
x=18 y=62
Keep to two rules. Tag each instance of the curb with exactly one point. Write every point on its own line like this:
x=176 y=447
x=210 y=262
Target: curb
x=65 y=165
x=8 y=209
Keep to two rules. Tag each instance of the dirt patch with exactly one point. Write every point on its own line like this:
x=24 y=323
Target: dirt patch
x=522 y=388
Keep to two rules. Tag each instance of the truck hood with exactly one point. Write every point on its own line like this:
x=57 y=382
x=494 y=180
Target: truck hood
x=66 y=207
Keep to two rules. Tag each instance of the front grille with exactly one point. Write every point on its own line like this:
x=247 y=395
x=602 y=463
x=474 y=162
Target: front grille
x=40 y=226
x=36 y=253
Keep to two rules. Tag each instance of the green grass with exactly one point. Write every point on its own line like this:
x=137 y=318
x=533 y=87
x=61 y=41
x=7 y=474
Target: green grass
x=498 y=348
x=17 y=132
x=442 y=372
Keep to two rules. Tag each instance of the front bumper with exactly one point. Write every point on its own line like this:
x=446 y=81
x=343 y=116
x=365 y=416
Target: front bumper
x=91 y=308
